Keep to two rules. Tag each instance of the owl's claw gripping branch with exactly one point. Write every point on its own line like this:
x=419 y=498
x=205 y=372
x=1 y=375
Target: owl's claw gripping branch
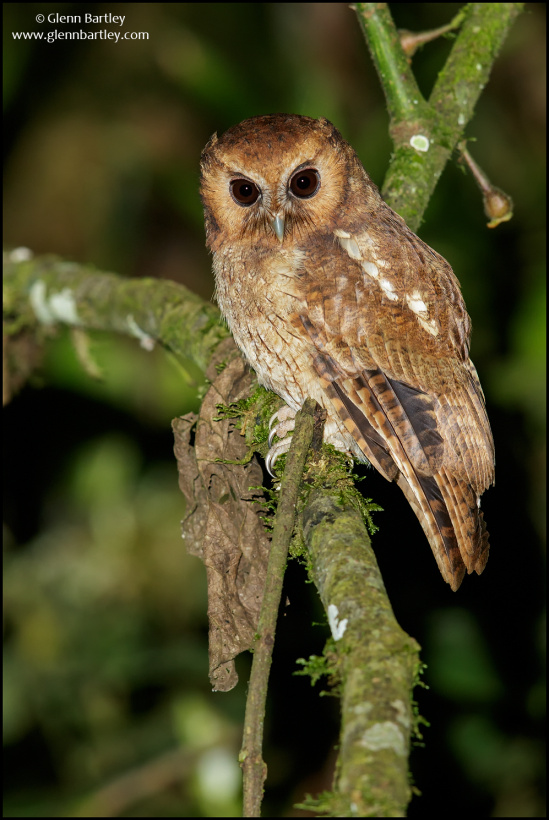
x=277 y=450
x=285 y=423
x=285 y=418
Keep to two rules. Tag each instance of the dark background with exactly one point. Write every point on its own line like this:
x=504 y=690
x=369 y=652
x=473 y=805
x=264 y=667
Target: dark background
x=107 y=706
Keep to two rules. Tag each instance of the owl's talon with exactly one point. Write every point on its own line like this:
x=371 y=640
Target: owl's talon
x=277 y=450
x=282 y=414
x=281 y=430
x=285 y=423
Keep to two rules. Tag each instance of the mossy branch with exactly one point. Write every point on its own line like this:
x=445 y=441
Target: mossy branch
x=378 y=662
x=44 y=291
x=425 y=133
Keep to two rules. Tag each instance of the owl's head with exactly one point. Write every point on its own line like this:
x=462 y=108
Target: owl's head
x=276 y=177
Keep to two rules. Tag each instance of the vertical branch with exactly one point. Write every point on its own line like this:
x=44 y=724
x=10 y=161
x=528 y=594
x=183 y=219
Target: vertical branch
x=251 y=760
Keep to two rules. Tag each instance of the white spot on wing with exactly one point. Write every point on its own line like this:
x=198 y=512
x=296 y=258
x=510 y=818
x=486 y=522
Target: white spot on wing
x=430 y=326
x=370 y=269
x=416 y=303
x=388 y=289
x=349 y=244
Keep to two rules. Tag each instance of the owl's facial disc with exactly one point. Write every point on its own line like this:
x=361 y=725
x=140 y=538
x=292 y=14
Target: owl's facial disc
x=303 y=183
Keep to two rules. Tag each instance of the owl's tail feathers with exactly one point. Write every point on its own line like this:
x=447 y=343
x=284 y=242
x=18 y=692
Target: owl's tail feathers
x=448 y=511
x=395 y=428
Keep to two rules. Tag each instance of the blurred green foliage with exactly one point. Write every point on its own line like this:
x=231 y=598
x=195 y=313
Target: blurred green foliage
x=107 y=708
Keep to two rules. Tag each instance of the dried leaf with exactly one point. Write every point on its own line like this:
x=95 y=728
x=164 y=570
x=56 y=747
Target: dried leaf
x=222 y=524
x=193 y=525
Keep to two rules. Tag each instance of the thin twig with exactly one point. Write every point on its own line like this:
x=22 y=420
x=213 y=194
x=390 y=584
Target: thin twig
x=251 y=760
x=412 y=40
x=498 y=206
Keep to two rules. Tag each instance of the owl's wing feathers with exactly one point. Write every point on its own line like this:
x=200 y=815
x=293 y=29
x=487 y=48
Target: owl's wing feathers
x=392 y=356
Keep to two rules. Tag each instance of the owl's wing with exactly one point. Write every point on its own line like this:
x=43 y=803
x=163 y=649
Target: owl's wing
x=390 y=347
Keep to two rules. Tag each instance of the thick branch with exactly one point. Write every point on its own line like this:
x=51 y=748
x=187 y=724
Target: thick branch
x=45 y=291
x=467 y=70
x=379 y=662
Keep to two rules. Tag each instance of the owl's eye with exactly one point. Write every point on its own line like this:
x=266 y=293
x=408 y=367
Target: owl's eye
x=305 y=183
x=244 y=192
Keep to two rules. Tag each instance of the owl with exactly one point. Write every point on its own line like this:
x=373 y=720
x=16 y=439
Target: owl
x=329 y=294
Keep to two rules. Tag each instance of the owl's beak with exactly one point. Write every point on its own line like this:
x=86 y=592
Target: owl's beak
x=277 y=224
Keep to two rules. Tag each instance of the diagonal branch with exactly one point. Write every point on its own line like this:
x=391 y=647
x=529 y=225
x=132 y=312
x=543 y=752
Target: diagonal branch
x=404 y=99
x=378 y=662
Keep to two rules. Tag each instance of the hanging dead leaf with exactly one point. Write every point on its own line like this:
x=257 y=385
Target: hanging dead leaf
x=222 y=524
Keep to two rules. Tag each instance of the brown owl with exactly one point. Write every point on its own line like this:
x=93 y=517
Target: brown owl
x=330 y=295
